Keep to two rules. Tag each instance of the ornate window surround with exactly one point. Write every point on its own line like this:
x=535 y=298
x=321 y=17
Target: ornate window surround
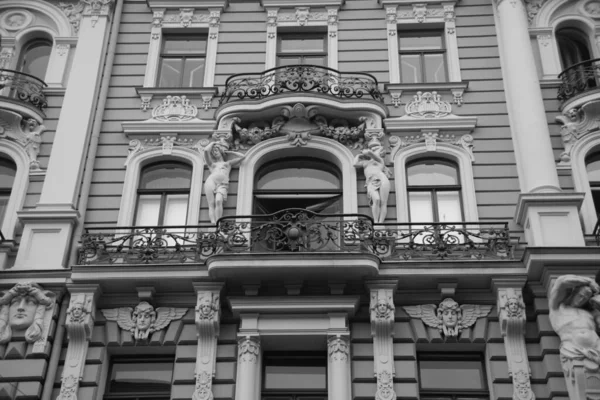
x=272 y=149
x=297 y=14
x=17 y=154
x=62 y=34
x=140 y=156
x=178 y=16
x=428 y=12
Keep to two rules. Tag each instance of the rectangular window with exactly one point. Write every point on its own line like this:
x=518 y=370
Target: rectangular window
x=294 y=376
x=140 y=378
x=305 y=48
x=182 y=61
x=452 y=376
x=422 y=56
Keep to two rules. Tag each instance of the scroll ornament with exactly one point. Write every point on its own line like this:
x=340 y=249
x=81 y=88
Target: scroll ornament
x=144 y=319
x=449 y=318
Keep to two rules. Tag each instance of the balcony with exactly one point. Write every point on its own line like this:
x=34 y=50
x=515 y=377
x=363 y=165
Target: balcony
x=298 y=235
x=22 y=93
x=579 y=79
x=301 y=79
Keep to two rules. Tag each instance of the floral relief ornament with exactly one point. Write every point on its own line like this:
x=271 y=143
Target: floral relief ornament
x=144 y=319
x=338 y=348
x=449 y=318
x=385 y=386
x=68 y=389
x=249 y=349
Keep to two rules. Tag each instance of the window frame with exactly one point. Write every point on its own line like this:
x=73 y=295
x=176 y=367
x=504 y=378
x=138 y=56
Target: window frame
x=135 y=396
x=183 y=56
x=422 y=52
x=591 y=157
x=27 y=46
x=287 y=355
x=301 y=55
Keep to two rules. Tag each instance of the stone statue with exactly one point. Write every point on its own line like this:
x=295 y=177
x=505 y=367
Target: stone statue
x=33 y=139
x=449 y=317
x=574 y=302
x=216 y=185
x=143 y=320
x=25 y=308
x=378 y=183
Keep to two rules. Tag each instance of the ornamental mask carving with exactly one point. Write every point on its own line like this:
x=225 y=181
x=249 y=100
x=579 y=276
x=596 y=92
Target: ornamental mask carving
x=382 y=305
x=338 y=348
x=207 y=307
x=26 y=308
x=449 y=318
x=143 y=319
x=249 y=349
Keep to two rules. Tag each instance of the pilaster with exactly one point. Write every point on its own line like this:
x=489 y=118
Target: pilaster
x=338 y=367
x=57 y=65
x=271 y=59
x=79 y=324
x=248 y=368
x=208 y=315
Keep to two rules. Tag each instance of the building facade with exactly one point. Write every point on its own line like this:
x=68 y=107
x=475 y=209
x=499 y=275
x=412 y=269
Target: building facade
x=299 y=200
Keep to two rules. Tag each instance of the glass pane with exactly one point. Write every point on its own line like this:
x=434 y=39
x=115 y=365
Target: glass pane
x=283 y=61
x=315 y=60
x=593 y=171
x=410 y=68
x=421 y=209
x=451 y=374
x=8 y=169
x=449 y=206
x=35 y=60
x=432 y=173
x=142 y=377
x=170 y=72
x=435 y=69
x=295 y=377
x=166 y=176
x=176 y=209
x=298 y=178
x=184 y=45
x=3 y=202
x=302 y=44
x=148 y=209
x=193 y=72
x=433 y=42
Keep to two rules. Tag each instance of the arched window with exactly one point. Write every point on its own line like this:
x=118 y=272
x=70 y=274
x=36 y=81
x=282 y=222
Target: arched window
x=592 y=166
x=8 y=170
x=34 y=57
x=434 y=191
x=163 y=194
x=573 y=45
x=306 y=183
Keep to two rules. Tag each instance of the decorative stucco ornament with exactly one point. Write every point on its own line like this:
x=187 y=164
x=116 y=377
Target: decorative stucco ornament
x=27 y=133
x=432 y=139
x=382 y=329
x=574 y=302
x=577 y=123
x=143 y=320
x=533 y=7
x=592 y=8
x=16 y=20
x=340 y=130
x=256 y=132
x=249 y=349
x=176 y=109
x=73 y=11
x=208 y=312
x=428 y=105
x=338 y=348
x=449 y=318
x=27 y=308
x=167 y=143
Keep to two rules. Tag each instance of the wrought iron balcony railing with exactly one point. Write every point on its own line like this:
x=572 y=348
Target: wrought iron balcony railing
x=23 y=87
x=579 y=78
x=301 y=78
x=296 y=230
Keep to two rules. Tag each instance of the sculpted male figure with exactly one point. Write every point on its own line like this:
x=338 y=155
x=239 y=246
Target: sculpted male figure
x=572 y=300
x=217 y=183
x=378 y=184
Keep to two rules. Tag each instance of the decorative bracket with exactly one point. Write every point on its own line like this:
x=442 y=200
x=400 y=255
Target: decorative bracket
x=80 y=324
x=208 y=314
x=27 y=133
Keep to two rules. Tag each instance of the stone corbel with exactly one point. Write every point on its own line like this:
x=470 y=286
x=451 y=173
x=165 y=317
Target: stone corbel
x=80 y=323
x=511 y=313
x=208 y=314
x=382 y=329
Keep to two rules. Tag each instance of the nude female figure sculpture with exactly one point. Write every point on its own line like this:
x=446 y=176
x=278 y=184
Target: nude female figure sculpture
x=216 y=185
x=378 y=183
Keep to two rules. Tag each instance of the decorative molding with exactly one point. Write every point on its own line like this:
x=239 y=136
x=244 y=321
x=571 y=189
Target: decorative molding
x=208 y=314
x=143 y=320
x=577 y=123
x=73 y=12
x=62 y=49
x=431 y=140
x=79 y=324
x=16 y=20
x=449 y=318
x=338 y=348
x=512 y=323
x=249 y=349
x=167 y=143
x=27 y=133
x=533 y=7
x=6 y=54
x=428 y=105
x=382 y=329
x=176 y=109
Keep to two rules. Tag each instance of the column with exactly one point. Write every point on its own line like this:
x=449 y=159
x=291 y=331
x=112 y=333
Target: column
x=338 y=368
x=248 y=369
x=550 y=217
x=47 y=228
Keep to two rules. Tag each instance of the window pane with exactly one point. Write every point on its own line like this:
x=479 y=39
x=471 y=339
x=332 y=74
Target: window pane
x=35 y=60
x=176 y=209
x=8 y=169
x=449 y=206
x=174 y=45
x=452 y=374
x=295 y=377
x=593 y=171
x=315 y=60
x=302 y=44
x=435 y=70
x=170 y=72
x=432 y=173
x=420 y=43
x=166 y=176
x=3 y=203
x=298 y=178
x=283 y=61
x=141 y=377
x=410 y=68
x=193 y=73
x=421 y=209
x=148 y=209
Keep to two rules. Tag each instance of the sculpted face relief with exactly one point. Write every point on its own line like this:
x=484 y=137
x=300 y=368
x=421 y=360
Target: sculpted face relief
x=450 y=318
x=22 y=312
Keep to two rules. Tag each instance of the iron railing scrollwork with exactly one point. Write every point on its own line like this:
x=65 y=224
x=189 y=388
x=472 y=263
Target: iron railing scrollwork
x=23 y=87
x=579 y=78
x=301 y=78
x=297 y=230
